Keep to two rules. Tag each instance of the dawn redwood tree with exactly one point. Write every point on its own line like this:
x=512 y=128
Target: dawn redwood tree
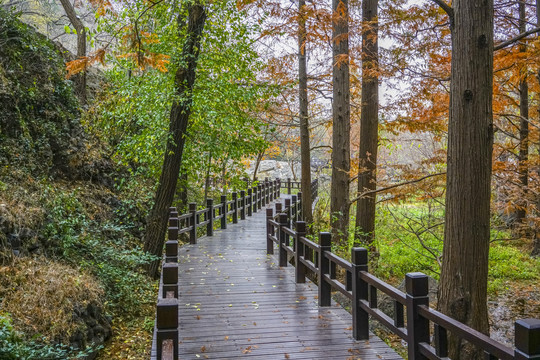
x=179 y=118
x=463 y=285
x=305 y=155
x=523 y=159
x=369 y=123
x=341 y=113
x=536 y=240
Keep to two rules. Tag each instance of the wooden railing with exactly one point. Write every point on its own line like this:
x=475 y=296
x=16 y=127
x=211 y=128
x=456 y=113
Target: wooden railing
x=241 y=205
x=412 y=314
x=291 y=184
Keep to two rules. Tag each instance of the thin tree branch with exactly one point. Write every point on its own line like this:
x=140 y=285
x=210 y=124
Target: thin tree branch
x=365 y=193
x=447 y=9
x=515 y=39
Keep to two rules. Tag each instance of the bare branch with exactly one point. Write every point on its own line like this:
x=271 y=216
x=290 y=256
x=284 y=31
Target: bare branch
x=515 y=39
x=447 y=9
x=365 y=193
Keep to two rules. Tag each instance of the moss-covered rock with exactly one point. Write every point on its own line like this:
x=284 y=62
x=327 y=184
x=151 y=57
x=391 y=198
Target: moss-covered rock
x=39 y=116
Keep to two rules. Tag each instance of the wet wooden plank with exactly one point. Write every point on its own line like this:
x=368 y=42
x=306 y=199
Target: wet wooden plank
x=236 y=302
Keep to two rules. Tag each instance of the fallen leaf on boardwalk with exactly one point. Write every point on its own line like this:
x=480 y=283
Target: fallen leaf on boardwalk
x=246 y=350
x=349 y=328
x=254 y=323
x=287 y=356
x=302 y=298
x=198 y=317
x=226 y=338
x=203 y=348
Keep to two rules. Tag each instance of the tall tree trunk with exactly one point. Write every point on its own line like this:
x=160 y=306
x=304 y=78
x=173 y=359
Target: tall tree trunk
x=341 y=113
x=536 y=240
x=523 y=166
x=305 y=155
x=80 y=78
x=463 y=286
x=257 y=164
x=369 y=123
x=179 y=117
x=207 y=177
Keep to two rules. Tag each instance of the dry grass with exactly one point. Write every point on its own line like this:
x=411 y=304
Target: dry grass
x=41 y=294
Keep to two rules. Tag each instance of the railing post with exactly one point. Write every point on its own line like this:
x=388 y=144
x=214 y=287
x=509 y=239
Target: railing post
x=299 y=207
x=235 y=207
x=278 y=188
x=224 y=208
x=243 y=205
x=263 y=193
x=267 y=190
x=359 y=260
x=417 y=288
x=254 y=200
x=260 y=196
x=269 y=231
x=249 y=200
x=325 y=295
x=288 y=210
x=272 y=189
x=300 y=273
x=171 y=247
x=527 y=339
x=210 y=217
x=169 y=274
x=167 y=326
x=193 y=223
x=294 y=209
x=283 y=222
x=289 y=186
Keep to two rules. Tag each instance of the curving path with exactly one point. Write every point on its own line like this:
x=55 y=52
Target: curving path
x=236 y=303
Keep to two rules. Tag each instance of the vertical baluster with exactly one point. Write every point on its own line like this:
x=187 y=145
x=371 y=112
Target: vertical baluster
x=299 y=208
x=254 y=200
x=210 y=217
x=249 y=201
x=243 y=205
x=235 y=207
x=289 y=186
x=269 y=231
x=224 y=211
x=283 y=222
x=193 y=223
x=300 y=273
x=441 y=340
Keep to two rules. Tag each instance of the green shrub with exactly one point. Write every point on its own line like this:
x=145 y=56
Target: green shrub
x=13 y=346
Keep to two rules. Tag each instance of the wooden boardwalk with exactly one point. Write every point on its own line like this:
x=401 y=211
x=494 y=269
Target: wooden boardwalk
x=236 y=302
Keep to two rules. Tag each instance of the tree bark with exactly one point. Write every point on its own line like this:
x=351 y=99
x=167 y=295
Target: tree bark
x=523 y=167
x=80 y=78
x=305 y=154
x=536 y=240
x=179 y=118
x=463 y=285
x=341 y=149
x=369 y=124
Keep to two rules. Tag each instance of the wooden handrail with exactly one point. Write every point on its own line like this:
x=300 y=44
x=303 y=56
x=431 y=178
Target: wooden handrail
x=362 y=288
x=166 y=329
